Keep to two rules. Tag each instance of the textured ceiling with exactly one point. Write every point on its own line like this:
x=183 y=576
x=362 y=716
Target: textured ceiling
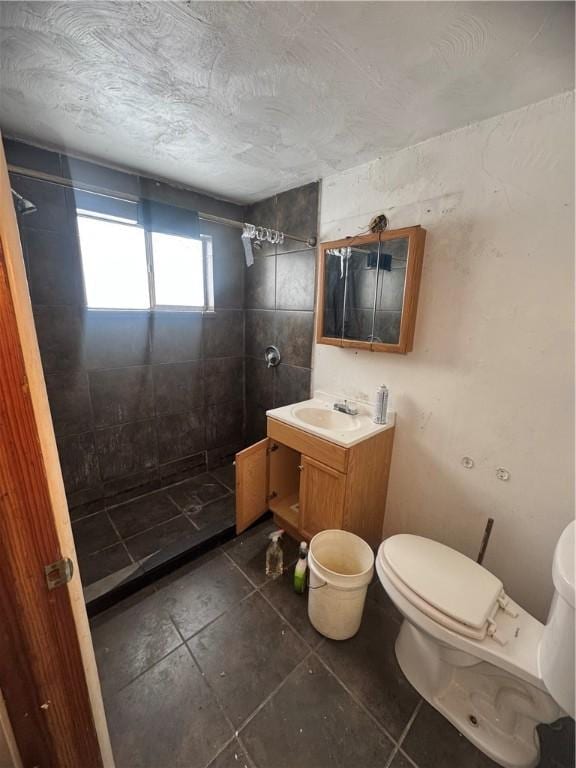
x=246 y=99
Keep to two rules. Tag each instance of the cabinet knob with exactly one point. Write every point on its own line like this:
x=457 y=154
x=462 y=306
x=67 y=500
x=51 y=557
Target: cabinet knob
x=300 y=467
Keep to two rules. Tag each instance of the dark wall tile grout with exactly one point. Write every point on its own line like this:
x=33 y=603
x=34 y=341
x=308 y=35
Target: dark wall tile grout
x=230 y=307
x=146 y=459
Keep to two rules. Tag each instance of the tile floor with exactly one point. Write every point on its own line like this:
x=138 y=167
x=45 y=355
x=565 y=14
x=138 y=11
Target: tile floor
x=118 y=542
x=217 y=666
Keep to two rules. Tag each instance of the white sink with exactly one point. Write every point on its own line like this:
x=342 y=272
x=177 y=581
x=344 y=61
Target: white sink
x=318 y=417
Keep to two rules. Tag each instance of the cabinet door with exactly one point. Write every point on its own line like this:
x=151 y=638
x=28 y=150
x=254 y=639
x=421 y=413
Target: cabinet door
x=322 y=491
x=252 y=473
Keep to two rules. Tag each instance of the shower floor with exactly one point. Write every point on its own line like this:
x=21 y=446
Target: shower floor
x=123 y=544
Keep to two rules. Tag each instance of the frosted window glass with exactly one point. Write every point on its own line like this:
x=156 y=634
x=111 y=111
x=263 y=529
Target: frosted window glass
x=178 y=271
x=114 y=263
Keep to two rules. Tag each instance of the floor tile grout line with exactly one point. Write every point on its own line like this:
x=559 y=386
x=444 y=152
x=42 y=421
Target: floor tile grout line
x=358 y=701
x=215 y=619
x=398 y=750
x=166 y=488
x=245 y=574
x=260 y=590
x=287 y=621
x=235 y=564
x=191 y=521
x=235 y=731
x=392 y=757
x=201 y=503
x=265 y=701
x=406 y=757
x=238 y=729
x=158 y=525
x=144 y=530
x=313 y=650
x=410 y=723
x=144 y=671
x=246 y=752
x=120 y=538
x=184 y=641
x=123 y=539
x=218 y=704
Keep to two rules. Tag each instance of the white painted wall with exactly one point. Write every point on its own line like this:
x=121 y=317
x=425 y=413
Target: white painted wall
x=492 y=371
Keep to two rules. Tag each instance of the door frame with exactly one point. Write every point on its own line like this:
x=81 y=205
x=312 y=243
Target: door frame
x=48 y=674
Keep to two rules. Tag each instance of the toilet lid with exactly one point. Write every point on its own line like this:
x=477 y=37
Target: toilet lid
x=445 y=579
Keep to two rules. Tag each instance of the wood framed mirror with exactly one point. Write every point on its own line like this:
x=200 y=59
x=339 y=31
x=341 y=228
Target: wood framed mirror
x=367 y=292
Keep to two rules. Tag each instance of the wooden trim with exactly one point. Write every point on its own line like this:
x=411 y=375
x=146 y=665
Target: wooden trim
x=319 y=300
x=416 y=240
x=328 y=453
x=371 y=237
x=41 y=670
x=47 y=668
x=356 y=344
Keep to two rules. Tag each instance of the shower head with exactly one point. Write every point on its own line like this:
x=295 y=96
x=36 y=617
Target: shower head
x=23 y=206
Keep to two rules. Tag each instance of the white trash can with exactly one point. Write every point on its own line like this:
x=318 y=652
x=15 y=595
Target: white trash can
x=341 y=567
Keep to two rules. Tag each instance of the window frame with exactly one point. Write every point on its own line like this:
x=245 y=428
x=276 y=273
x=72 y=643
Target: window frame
x=207 y=270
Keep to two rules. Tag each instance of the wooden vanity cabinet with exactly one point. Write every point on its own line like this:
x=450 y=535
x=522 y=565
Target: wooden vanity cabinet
x=311 y=484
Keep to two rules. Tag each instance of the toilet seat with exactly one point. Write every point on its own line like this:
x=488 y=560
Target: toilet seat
x=445 y=585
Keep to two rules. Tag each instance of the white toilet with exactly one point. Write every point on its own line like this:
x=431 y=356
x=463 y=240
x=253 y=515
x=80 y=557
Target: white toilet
x=479 y=658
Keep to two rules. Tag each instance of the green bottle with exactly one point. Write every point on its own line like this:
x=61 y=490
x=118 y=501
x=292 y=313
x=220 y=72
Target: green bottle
x=300 y=569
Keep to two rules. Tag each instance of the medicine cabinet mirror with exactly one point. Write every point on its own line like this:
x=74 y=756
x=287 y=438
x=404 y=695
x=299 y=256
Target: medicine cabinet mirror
x=368 y=290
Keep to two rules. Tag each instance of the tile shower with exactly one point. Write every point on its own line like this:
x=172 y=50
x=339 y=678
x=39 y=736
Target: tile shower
x=149 y=407
x=279 y=307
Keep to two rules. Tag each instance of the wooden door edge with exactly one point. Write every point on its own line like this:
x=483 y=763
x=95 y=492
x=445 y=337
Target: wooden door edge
x=18 y=284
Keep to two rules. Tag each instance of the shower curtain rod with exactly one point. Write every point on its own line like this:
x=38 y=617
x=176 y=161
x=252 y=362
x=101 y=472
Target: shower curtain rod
x=310 y=241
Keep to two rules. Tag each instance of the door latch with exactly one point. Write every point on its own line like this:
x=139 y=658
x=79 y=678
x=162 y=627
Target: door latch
x=59 y=573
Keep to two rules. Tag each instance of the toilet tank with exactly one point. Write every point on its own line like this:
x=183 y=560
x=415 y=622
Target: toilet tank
x=556 y=655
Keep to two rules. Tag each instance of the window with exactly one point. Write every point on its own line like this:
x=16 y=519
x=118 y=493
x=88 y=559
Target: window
x=114 y=263
x=178 y=270
x=127 y=266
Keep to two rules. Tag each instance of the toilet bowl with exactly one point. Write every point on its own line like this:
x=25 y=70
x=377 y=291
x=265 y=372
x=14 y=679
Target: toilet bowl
x=474 y=654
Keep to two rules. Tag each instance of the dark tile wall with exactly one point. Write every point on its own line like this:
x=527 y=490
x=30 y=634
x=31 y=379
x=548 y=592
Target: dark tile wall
x=139 y=399
x=144 y=399
x=279 y=301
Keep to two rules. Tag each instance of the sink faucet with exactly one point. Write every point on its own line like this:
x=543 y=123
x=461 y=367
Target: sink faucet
x=345 y=408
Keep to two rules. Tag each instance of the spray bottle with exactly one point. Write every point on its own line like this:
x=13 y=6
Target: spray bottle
x=300 y=569
x=274 y=556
